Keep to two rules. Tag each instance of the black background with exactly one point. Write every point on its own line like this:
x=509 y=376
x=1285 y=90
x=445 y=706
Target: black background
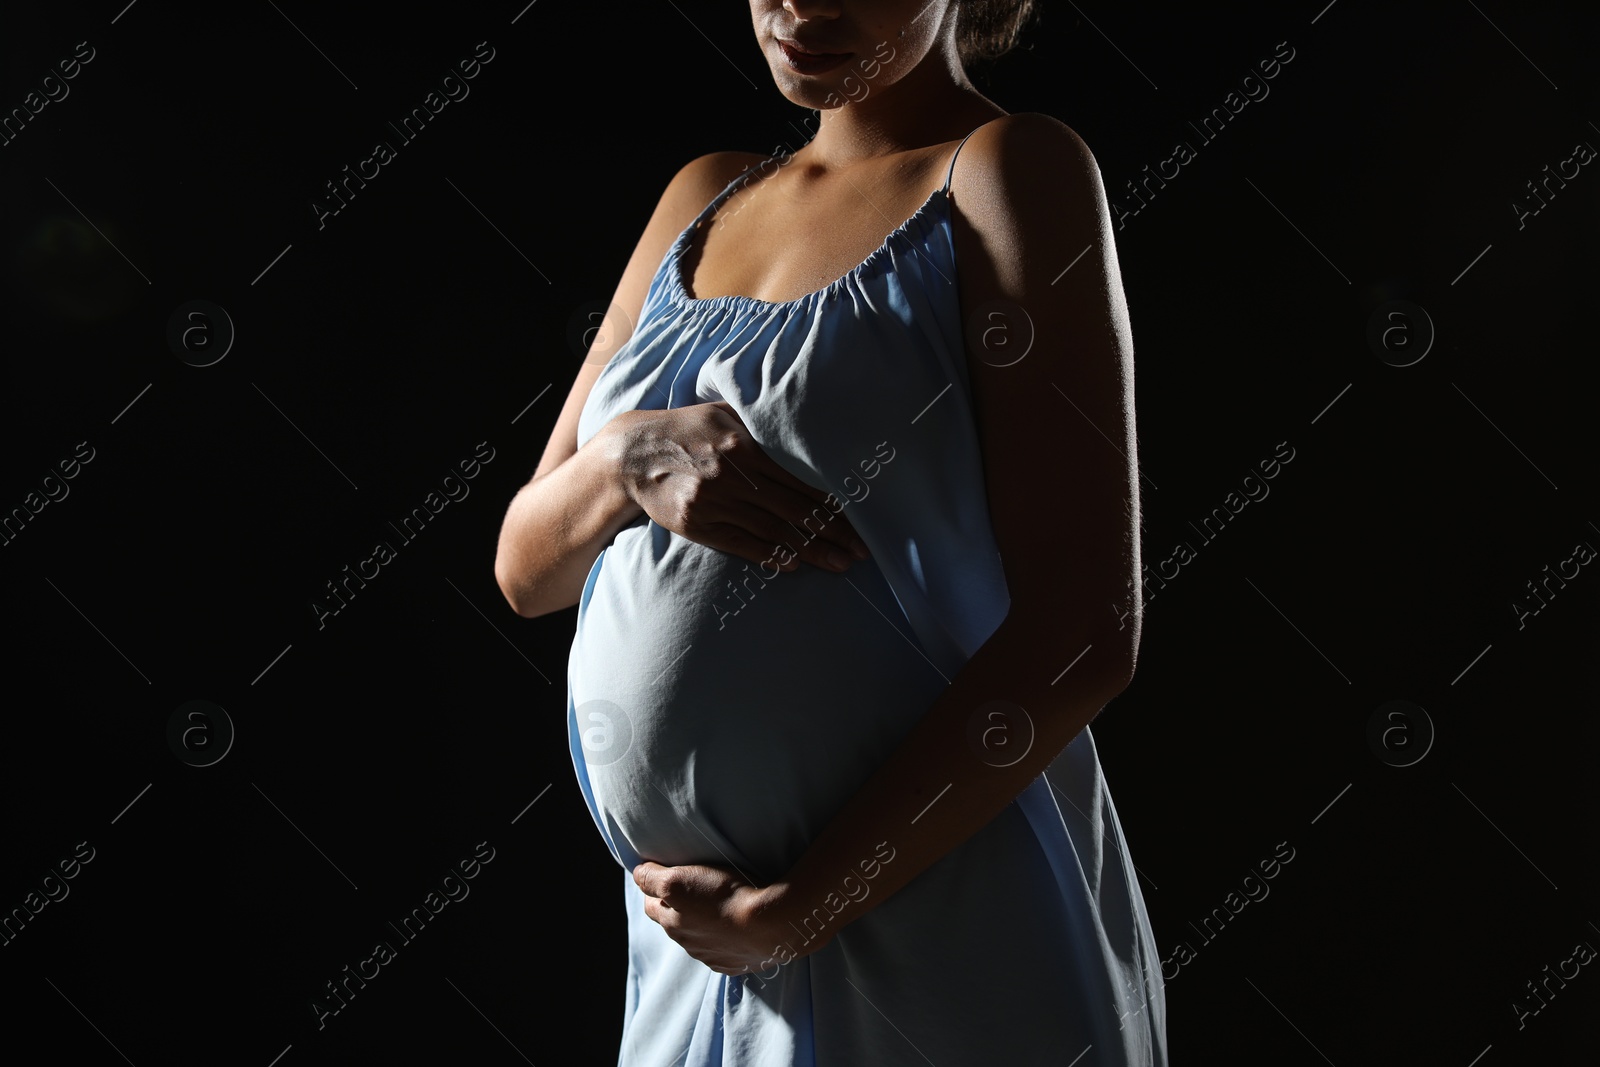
x=379 y=350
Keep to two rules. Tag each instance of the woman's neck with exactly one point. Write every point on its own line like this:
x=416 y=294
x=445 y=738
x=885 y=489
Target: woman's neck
x=930 y=106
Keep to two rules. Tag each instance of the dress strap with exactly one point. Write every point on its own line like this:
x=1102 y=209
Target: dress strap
x=951 y=172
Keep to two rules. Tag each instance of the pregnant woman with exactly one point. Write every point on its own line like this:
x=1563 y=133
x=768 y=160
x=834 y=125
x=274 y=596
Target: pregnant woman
x=846 y=496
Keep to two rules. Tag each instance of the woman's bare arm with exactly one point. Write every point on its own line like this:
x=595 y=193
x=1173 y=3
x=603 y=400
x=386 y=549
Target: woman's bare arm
x=576 y=502
x=1057 y=431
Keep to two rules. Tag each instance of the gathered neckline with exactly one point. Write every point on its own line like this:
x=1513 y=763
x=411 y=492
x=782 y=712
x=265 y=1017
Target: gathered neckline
x=679 y=290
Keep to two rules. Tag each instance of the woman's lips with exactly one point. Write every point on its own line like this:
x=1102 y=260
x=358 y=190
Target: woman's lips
x=811 y=62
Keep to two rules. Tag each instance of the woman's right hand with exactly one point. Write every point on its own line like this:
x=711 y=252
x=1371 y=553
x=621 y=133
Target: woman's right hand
x=697 y=472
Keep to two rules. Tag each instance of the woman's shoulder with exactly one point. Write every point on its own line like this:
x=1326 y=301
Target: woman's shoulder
x=1016 y=169
x=1028 y=138
x=699 y=181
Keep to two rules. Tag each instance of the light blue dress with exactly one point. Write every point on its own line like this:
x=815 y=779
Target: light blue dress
x=720 y=713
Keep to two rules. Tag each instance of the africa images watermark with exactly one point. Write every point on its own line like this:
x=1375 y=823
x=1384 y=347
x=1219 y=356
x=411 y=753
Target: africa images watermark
x=724 y=606
x=453 y=88
x=1582 y=554
x=853 y=889
x=410 y=528
x=853 y=89
x=451 y=887
x=1254 y=90
x=1255 y=489
x=52 y=90
x=51 y=888
x=1552 y=983
x=1254 y=889
x=1582 y=154
x=55 y=490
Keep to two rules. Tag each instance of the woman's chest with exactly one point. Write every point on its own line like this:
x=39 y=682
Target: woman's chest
x=774 y=241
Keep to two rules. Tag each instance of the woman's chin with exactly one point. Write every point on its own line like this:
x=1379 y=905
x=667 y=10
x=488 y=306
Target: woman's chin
x=813 y=94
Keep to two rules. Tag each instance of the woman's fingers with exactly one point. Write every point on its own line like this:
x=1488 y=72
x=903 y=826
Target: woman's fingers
x=818 y=536
x=768 y=555
x=758 y=463
x=812 y=513
x=811 y=494
x=698 y=472
x=778 y=531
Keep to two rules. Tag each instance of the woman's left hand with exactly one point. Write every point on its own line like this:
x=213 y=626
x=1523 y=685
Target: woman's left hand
x=719 y=918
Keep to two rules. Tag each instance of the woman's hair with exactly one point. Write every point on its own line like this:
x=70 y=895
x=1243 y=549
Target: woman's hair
x=988 y=29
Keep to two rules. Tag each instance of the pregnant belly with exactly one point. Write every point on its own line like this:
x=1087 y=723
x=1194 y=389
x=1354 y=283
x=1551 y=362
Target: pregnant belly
x=724 y=716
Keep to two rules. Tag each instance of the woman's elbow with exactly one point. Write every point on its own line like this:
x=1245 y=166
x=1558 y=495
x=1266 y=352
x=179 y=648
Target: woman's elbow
x=513 y=587
x=1122 y=660
x=1119 y=676
x=1102 y=651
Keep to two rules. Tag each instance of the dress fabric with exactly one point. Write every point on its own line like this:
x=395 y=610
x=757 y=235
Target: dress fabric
x=721 y=713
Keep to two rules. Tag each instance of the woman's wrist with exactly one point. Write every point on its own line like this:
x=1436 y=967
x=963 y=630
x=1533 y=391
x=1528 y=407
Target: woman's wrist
x=785 y=920
x=615 y=439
